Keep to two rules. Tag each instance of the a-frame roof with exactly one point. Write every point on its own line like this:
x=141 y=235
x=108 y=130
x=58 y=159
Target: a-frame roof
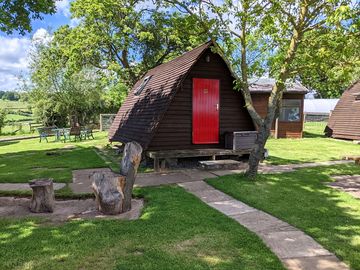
x=139 y=115
x=345 y=119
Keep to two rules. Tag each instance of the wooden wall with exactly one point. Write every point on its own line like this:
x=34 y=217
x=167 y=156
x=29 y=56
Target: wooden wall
x=175 y=129
x=285 y=129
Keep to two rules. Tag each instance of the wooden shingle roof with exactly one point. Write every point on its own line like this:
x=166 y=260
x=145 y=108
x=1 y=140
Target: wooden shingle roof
x=139 y=116
x=345 y=119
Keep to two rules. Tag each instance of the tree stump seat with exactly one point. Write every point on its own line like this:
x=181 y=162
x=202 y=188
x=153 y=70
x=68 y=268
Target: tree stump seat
x=43 y=198
x=113 y=194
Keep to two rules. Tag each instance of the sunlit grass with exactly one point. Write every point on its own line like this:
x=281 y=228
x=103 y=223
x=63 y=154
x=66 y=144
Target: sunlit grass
x=179 y=232
x=302 y=199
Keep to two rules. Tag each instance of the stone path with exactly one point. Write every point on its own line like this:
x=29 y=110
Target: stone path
x=347 y=183
x=295 y=249
x=82 y=182
x=23 y=186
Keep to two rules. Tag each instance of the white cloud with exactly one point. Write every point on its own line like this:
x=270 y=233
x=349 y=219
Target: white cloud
x=63 y=7
x=14 y=61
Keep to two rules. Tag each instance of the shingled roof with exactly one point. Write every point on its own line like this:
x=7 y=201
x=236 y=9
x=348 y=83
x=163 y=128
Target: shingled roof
x=139 y=115
x=345 y=121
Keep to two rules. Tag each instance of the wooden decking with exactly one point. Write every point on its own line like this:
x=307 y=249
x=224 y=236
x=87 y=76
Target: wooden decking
x=174 y=154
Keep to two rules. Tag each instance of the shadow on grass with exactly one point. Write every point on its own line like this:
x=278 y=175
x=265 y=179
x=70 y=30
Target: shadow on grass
x=8 y=143
x=302 y=199
x=175 y=231
x=58 y=163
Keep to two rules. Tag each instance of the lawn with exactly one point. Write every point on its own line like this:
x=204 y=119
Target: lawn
x=314 y=147
x=175 y=231
x=21 y=161
x=301 y=198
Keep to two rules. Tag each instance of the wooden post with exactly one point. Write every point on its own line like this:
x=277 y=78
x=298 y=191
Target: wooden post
x=156 y=164
x=129 y=166
x=43 y=198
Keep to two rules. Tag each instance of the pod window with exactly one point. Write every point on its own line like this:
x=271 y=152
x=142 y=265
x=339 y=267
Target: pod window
x=141 y=87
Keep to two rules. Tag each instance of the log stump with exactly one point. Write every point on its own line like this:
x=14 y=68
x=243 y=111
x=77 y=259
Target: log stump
x=43 y=198
x=108 y=193
x=113 y=194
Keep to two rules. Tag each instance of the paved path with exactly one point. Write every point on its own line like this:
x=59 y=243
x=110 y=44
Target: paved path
x=295 y=249
x=8 y=187
x=347 y=183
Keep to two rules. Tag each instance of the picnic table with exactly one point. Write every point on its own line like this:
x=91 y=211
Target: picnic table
x=64 y=134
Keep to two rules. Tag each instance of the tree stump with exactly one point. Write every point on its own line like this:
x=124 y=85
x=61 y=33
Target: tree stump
x=113 y=194
x=108 y=193
x=43 y=198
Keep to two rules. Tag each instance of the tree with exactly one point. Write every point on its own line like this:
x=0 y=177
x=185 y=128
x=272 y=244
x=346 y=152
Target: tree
x=2 y=118
x=16 y=15
x=125 y=37
x=263 y=37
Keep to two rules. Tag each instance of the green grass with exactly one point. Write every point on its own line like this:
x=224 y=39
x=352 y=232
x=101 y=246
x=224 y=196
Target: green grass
x=18 y=118
x=13 y=105
x=314 y=147
x=175 y=231
x=302 y=199
x=21 y=161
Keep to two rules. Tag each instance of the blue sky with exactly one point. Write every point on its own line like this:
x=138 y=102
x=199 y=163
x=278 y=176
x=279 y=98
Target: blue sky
x=14 y=48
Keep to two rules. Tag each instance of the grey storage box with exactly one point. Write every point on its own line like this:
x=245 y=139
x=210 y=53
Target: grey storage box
x=240 y=140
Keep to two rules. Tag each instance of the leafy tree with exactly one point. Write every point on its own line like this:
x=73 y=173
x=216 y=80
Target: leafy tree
x=332 y=62
x=125 y=37
x=16 y=15
x=11 y=95
x=264 y=37
x=2 y=118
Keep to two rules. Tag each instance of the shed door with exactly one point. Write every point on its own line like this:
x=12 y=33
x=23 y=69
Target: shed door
x=205 y=111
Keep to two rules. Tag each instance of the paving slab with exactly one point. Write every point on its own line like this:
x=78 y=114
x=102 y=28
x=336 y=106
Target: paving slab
x=231 y=207
x=293 y=244
x=262 y=223
x=315 y=263
x=228 y=172
x=82 y=179
x=212 y=196
x=195 y=186
x=347 y=183
x=23 y=186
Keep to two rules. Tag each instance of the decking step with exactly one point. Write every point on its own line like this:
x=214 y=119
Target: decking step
x=226 y=164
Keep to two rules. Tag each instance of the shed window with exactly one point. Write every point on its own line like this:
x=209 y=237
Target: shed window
x=141 y=87
x=357 y=96
x=290 y=110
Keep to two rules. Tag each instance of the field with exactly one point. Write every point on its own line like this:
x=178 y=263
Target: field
x=18 y=118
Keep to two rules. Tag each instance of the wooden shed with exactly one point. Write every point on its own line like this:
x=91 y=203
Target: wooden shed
x=189 y=105
x=344 y=122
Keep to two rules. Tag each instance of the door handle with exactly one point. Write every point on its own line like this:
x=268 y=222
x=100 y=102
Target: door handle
x=217 y=106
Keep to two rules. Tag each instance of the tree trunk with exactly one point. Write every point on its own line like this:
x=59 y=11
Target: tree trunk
x=43 y=198
x=257 y=154
x=129 y=166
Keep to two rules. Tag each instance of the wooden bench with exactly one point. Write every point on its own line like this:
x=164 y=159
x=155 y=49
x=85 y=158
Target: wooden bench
x=355 y=158
x=158 y=156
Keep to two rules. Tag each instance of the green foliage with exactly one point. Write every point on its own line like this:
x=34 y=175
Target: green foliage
x=3 y=114
x=16 y=15
x=124 y=37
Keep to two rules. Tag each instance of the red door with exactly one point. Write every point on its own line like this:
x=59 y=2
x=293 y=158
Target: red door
x=205 y=111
